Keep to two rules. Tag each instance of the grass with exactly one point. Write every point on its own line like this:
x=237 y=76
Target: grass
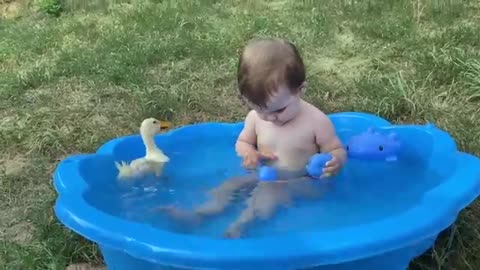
x=70 y=82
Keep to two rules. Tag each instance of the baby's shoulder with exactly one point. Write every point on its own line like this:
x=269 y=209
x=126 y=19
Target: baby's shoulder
x=314 y=113
x=252 y=117
x=252 y=114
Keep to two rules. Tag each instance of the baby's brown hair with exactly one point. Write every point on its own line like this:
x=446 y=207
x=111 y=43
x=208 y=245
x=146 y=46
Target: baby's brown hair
x=266 y=64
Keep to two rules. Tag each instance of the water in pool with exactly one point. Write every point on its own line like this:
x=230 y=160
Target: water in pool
x=363 y=192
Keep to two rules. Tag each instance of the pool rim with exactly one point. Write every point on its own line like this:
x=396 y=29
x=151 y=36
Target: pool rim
x=423 y=220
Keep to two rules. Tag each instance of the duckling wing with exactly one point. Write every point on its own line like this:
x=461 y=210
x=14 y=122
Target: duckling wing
x=157 y=157
x=138 y=163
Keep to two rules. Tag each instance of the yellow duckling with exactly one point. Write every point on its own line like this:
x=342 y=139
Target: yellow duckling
x=154 y=159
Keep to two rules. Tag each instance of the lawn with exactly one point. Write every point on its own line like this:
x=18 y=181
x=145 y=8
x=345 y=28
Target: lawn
x=70 y=82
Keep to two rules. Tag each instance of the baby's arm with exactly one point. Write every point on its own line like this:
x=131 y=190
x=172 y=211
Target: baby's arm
x=327 y=139
x=247 y=139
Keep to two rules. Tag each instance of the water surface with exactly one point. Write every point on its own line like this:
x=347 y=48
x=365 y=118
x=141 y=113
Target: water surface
x=363 y=192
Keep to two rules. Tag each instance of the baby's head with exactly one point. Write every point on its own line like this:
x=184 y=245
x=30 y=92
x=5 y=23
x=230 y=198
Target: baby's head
x=271 y=79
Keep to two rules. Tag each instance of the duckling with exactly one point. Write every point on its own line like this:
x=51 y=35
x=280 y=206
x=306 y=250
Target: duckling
x=154 y=159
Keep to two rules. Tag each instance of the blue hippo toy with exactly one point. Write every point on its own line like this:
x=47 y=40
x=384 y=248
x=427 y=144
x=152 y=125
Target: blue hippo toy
x=372 y=145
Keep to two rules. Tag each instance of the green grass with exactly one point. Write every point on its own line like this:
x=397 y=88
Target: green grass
x=69 y=83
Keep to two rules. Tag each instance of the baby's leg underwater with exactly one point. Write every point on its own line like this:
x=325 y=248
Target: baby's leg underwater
x=264 y=202
x=306 y=188
x=221 y=197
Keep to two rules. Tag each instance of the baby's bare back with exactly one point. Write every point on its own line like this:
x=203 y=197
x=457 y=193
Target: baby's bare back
x=293 y=143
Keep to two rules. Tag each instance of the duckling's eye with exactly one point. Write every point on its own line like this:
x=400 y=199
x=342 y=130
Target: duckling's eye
x=380 y=148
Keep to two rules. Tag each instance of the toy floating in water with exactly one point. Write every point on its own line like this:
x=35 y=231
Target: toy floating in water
x=373 y=145
x=154 y=158
x=314 y=168
x=267 y=174
x=316 y=164
x=411 y=212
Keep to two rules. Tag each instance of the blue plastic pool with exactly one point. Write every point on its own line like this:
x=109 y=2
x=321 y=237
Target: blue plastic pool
x=374 y=215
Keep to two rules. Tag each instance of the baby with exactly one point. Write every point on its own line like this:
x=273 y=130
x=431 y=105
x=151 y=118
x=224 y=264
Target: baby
x=281 y=130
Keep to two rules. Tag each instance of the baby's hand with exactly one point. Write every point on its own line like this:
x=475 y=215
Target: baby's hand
x=252 y=158
x=331 y=167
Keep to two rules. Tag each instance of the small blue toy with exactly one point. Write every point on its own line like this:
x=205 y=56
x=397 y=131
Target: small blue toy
x=267 y=173
x=314 y=168
x=317 y=163
x=374 y=146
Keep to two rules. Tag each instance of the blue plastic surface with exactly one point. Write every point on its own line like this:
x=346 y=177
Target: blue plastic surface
x=389 y=241
x=373 y=145
x=316 y=164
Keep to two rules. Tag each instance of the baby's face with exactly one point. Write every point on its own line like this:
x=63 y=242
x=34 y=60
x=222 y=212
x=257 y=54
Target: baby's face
x=282 y=107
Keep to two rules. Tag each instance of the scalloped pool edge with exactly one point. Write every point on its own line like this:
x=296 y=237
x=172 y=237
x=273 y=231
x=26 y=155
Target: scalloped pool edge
x=423 y=221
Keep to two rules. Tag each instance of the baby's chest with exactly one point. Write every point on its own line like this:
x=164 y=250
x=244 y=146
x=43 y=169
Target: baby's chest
x=294 y=138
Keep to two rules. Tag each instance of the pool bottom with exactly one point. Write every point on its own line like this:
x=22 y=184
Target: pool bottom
x=394 y=260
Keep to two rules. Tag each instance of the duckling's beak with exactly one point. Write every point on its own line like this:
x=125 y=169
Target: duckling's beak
x=165 y=125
